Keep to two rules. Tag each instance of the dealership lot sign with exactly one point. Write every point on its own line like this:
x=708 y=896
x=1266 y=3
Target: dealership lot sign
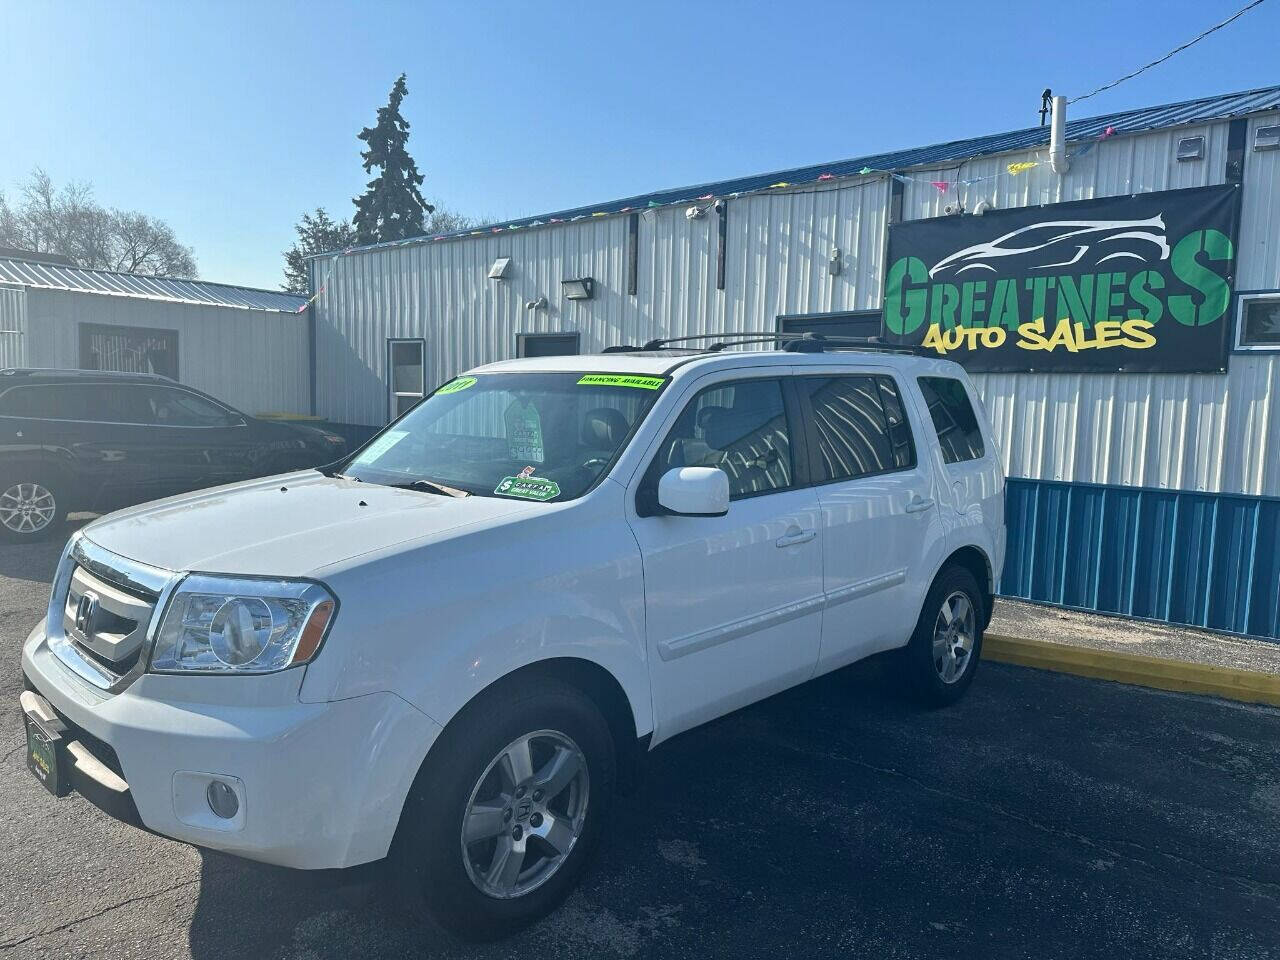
x=1138 y=283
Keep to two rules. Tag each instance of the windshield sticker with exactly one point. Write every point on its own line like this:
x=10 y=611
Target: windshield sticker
x=524 y=432
x=454 y=386
x=620 y=380
x=380 y=446
x=528 y=488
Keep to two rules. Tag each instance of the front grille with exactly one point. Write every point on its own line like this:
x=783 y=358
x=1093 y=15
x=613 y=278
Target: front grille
x=102 y=611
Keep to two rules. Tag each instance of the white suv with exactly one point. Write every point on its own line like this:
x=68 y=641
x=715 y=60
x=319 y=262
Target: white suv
x=450 y=648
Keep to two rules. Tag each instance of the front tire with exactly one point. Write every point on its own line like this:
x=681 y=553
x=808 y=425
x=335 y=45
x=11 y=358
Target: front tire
x=942 y=656
x=31 y=507
x=502 y=819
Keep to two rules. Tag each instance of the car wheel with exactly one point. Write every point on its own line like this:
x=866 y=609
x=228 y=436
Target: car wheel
x=503 y=816
x=30 y=508
x=942 y=656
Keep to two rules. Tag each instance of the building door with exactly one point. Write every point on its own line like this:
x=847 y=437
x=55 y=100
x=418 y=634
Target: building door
x=406 y=380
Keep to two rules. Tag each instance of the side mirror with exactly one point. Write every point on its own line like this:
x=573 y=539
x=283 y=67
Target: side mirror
x=694 y=492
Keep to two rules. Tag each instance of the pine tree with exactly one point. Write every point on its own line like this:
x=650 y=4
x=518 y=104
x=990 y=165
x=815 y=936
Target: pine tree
x=317 y=233
x=391 y=208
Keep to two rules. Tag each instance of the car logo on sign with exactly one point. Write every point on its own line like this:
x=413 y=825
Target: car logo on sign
x=86 y=612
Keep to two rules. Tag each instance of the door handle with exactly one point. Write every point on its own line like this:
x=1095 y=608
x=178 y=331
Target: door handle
x=797 y=538
x=919 y=504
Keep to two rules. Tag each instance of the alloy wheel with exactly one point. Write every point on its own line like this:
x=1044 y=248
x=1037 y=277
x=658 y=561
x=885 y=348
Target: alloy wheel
x=27 y=508
x=525 y=814
x=953 y=637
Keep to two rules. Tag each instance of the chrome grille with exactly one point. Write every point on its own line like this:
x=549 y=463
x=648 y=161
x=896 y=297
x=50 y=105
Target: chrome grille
x=101 y=613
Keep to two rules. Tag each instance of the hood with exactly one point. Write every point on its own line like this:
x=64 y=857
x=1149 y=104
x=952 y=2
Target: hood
x=289 y=525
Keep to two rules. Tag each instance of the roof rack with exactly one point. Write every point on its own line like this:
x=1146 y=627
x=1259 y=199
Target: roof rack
x=791 y=342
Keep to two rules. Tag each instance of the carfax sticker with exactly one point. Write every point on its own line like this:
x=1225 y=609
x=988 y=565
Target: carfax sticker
x=620 y=380
x=454 y=386
x=529 y=488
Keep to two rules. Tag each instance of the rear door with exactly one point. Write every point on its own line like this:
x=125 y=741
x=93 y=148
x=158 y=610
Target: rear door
x=880 y=518
x=733 y=604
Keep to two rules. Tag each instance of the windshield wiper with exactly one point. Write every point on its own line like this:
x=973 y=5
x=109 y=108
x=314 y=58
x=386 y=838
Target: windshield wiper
x=430 y=486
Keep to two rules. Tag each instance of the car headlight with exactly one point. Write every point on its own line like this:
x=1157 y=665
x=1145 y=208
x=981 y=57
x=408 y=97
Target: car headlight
x=217 y=624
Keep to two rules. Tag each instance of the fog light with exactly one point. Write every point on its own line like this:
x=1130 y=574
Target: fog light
x=222 y=800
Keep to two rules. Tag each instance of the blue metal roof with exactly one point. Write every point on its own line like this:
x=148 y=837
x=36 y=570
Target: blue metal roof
x=53 y=276
x=956 y=151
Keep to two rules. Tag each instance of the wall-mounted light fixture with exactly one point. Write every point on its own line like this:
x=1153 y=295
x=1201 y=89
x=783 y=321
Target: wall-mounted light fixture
x=833 y=262
x=583 y=288
x=500 y=269
x=1190 y=148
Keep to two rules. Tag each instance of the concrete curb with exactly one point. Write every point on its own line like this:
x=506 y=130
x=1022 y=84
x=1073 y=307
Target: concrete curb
x=1245 y=686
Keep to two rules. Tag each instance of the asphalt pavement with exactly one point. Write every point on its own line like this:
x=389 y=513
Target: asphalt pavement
x=1044 y=816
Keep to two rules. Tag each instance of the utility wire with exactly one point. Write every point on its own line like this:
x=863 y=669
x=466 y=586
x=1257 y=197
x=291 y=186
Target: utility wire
x=1129 y=76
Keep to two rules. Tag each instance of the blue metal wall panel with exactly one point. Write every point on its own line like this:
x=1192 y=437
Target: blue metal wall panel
x=1204 y=559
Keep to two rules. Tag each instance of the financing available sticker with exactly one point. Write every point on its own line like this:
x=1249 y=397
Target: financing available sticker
x=620 y=380
x=1138 y=282
x=528 y=487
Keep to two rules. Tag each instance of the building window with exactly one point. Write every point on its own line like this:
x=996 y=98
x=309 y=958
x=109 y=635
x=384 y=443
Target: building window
x=547 y=344
x=406 y=362
x=1258 y=324
x=129 y=349
x=953 y=418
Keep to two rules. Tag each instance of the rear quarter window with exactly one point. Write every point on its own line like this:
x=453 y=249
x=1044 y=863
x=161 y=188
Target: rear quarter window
x=954 y=419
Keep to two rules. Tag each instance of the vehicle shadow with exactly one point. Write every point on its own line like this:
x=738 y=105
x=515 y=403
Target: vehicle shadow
x=631 y=901
x=37 y=561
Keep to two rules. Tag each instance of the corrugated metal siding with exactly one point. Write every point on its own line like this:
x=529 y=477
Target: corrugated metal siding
x=1195 y=432
x=778 y=247
x=254 y=361
x=1202 y=559
x=13 y=327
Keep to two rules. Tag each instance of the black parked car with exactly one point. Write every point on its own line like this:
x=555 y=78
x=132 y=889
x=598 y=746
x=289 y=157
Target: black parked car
x=85 y=440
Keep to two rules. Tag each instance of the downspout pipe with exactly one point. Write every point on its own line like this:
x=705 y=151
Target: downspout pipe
x=1058 y=161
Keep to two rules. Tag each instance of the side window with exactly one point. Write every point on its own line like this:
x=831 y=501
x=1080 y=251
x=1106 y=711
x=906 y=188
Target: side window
x=900 y=438
x=859 y=425
x=177 y=408
x=741 y=428
x=953 y=418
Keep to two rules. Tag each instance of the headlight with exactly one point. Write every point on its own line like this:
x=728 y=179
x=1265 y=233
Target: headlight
x=241 y=625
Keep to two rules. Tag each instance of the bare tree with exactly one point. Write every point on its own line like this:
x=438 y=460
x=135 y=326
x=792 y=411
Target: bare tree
x=70 y=222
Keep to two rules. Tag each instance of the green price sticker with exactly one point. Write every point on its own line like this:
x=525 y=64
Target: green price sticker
x=455 y=385
x=620 y=380
x=528 y=488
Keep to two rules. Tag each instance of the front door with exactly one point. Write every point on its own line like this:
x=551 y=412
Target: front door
x=733 y=603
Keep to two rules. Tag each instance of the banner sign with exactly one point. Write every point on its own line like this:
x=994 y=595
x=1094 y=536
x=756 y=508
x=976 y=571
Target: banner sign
x=1136 y=283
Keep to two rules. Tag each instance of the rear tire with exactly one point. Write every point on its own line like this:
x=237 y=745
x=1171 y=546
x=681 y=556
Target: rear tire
x=942 y=656
x=527 y=771
x=32 y=507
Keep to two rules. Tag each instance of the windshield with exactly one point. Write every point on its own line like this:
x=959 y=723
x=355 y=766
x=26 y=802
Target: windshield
x=531 y=436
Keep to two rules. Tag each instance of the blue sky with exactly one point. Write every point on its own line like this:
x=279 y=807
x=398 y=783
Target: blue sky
x=231 y=119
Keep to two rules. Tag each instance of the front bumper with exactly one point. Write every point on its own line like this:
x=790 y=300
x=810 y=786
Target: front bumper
x=321 y=784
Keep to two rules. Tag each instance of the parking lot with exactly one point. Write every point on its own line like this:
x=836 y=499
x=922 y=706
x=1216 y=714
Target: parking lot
x=1044 y=816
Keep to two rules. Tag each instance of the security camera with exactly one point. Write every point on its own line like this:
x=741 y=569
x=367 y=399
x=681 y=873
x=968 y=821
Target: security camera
x=538 y=304
x=695 y=212
x=982 y=206
x=953 y=208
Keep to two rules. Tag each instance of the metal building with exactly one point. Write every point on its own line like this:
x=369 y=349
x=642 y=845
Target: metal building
x=1155 y=494
x=247 y=347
